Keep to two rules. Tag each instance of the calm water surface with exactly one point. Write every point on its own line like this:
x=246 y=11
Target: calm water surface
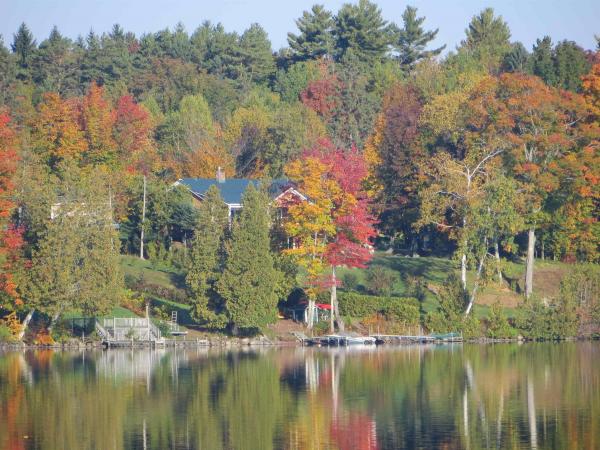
x=461 y=396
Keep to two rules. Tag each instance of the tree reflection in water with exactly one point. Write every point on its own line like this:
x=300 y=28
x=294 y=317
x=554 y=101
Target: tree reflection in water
x=501 y=396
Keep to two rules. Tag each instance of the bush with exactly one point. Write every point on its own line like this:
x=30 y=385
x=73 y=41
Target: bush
x=5 y=334
x=556 y=320
x=172 y=294
x=393 y=308
x=380 y=280
x=498 y=326
x=350 y=282
x=449 y=316
x=581 y=288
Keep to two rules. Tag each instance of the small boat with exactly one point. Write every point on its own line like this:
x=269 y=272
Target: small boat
x=346 y=339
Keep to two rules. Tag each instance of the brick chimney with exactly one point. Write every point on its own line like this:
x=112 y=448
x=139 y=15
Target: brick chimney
x=220 y=175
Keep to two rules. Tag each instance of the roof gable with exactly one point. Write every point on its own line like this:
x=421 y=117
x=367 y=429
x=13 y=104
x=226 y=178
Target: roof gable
x=231 y=189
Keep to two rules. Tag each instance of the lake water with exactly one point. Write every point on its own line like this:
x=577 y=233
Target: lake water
x=544 y=396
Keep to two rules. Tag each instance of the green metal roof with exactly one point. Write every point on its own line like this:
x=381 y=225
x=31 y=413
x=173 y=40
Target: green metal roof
x=232 y=189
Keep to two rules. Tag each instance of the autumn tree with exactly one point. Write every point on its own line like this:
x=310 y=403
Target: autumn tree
x=333 y=228
x=98 y=118
x=133 y=136
x=399 y=156
x=11 y=239
x=56 y=134
x=455 y=197
x=546 y=129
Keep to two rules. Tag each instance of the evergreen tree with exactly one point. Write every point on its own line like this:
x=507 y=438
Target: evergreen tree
x=517 y=59
x=543 y=65
x=216 y=50
x=256 y=54
x=571 y=64
x=488 y=38
x=315 y=39
x=24 y=47
x=412 y=40
x=8 y=70
x=249 y=282
x=360 y=30
x=55 y=63
x=207 y=260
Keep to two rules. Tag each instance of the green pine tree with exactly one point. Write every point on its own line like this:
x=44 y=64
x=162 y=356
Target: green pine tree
x=23 y=47
x=571 y=64
x=543 y=65
x=315 y=39
x=54 y=65
x=517 y=59
x=488 y=38
x=207 y=260
x=412 y=40
x=256 y=54
x=249 y=282
x=361 y=31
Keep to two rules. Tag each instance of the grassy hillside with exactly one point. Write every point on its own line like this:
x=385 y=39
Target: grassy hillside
x=433 y=272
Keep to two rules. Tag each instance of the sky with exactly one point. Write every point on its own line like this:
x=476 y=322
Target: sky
x=576 y=20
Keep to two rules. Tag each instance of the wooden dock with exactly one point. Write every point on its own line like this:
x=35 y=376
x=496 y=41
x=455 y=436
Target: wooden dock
x=128 y=332
x=343 y=340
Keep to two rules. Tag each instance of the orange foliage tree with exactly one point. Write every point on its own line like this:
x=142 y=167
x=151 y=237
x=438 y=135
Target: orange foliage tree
x=333 y=228
x=10 y=236
x=97 y=120
x=56 y=133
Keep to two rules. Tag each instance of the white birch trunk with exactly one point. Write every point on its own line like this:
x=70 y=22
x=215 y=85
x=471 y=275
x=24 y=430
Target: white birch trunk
x=25 y=324
x=335 y=310
x=143 y=221
x=463 y=271
x=529 y=263
x=497 y=254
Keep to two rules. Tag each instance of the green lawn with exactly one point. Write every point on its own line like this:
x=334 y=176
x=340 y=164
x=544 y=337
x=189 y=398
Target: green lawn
x=164 y=276
x=433 y=271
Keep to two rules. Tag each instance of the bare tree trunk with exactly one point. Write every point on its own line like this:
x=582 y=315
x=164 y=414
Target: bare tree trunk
x=53 y=321
x=463 y=271
x=497 y=254
x=143 y=221
x=474 y=292
x=332 y=300
x=310 y=319
x=529 y=262
x=25 y=324
x=335 y=310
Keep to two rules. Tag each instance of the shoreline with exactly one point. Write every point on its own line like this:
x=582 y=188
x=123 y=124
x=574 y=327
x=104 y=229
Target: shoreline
x=245 y=343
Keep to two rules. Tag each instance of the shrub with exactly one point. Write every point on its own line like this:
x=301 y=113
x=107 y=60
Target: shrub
x=498 y=326
x=350 y=282
x=581 y=288
x=556 y=320
x=141 y=285
x=449 y=316
x=393 y=308
x=5 y=333
x=415 y=288
x=380 y=280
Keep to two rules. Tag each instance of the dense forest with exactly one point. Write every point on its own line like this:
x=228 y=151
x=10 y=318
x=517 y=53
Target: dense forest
x=484 y=153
